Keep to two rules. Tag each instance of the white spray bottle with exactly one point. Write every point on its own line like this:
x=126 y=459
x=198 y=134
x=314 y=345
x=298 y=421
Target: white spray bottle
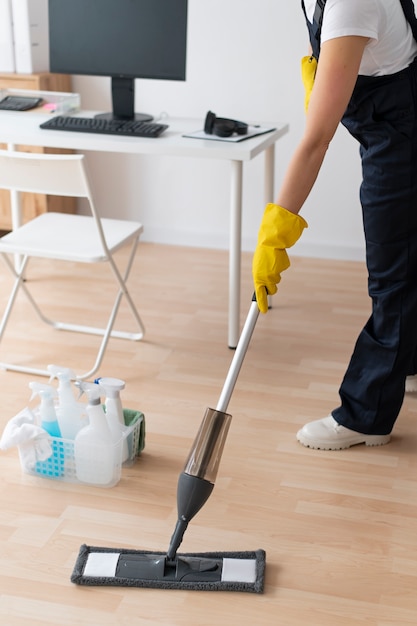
x=97 y=456
x=47 y=413
x=69 y=410
x=114 y=410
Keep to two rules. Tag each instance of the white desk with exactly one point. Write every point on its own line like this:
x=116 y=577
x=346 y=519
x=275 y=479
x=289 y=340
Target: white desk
x=23 y=128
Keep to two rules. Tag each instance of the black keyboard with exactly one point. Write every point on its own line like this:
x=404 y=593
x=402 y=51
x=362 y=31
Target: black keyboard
x=130 y=128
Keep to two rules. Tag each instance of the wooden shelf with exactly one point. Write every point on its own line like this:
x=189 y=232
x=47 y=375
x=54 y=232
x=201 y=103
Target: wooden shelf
x=35 y=204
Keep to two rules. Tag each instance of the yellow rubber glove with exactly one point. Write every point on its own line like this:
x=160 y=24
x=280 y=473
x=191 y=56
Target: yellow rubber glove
x=308 y=74
x=279 y=229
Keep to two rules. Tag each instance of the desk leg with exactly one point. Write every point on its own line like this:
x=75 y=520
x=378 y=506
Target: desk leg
x=235 y=250
x=269 y=185
x=269 y=174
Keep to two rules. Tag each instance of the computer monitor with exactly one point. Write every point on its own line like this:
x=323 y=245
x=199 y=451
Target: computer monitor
x=123 y=39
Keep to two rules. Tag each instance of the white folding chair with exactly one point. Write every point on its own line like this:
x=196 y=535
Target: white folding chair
x=64 y=237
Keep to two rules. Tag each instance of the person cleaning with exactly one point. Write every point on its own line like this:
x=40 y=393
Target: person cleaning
x=363 y=73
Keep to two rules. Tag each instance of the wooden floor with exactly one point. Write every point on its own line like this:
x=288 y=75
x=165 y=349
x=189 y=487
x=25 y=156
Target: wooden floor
x=339 y=528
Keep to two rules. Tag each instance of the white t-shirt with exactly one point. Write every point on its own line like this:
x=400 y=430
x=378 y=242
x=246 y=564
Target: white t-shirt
x=391 y=47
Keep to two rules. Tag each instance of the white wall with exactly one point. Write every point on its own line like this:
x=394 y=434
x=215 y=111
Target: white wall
x=243 y=62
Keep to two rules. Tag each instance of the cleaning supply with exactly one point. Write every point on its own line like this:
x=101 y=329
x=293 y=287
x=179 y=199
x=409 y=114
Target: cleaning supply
x=97 y=455
x=207 y=571
x=47 y=414
x=114 y=410
x=204 y=571
x=32 y=440
x=69 y=411
x=54 y=465
x=112 y=388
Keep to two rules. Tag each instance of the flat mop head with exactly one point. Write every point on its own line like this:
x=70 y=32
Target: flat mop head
x=208 y=571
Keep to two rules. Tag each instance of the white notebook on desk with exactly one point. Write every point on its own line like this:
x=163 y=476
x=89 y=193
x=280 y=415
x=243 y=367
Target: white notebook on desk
x=253 y=131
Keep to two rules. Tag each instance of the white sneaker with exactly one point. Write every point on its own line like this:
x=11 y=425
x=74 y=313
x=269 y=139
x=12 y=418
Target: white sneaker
x=411 y=384
x=327 y=434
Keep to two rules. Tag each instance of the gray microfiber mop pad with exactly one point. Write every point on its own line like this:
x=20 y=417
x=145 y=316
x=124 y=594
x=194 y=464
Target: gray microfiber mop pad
x=242 y=571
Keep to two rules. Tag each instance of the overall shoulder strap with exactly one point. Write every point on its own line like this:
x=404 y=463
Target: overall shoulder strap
x=318 y=18
x=409 y=12
x=315 y=27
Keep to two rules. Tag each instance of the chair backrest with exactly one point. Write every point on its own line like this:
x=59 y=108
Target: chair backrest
x=53 y=174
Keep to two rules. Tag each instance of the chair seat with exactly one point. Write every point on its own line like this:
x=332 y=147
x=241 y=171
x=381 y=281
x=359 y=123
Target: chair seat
x=72 y=237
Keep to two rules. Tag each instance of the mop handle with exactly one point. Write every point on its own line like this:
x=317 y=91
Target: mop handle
x=238 y=357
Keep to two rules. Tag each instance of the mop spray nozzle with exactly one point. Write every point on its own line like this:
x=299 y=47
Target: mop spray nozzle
x=192 y=493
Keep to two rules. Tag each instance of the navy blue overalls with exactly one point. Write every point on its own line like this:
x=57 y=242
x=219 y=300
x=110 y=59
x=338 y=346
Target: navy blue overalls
x=382 y=116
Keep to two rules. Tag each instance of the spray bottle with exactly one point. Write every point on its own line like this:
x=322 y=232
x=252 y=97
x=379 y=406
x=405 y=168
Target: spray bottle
x=69 y=410
x=97 y=456
x=47 y=411
x=114 y=410
x=54 y=466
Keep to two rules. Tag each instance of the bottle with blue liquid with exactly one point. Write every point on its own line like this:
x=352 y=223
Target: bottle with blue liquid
x=54 y=466
x=69 y=411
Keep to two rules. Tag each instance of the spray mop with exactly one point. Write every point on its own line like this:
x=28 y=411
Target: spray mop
x=208 y=571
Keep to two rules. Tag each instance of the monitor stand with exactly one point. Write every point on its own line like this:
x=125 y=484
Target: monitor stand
x=123 y=101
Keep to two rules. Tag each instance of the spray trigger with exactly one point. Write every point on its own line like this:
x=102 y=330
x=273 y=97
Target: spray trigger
x=42 y=389
x=60 y=372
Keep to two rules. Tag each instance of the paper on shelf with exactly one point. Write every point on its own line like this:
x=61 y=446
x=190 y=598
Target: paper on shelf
x=54 y=102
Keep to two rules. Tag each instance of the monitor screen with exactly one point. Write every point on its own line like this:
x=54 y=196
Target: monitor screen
x=123 y=39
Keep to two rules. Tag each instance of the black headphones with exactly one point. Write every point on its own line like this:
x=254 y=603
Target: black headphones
x=223 y=127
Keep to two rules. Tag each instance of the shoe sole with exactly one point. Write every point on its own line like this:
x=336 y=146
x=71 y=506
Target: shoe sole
x=372 y=441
